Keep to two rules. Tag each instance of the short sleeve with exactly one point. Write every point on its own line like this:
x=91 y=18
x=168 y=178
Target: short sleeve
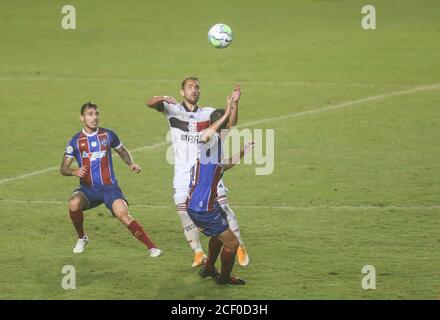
x=170 y=109
x=209 y=110
x=160 y=107
x=115 y=143
x=70 y=150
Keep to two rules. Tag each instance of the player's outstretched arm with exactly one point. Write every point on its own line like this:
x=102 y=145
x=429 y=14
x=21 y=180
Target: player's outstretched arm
x=233 y=118
x=232 y=161
x=65 y=169
x=156 y=102
x=213 y=128
x=128 y=159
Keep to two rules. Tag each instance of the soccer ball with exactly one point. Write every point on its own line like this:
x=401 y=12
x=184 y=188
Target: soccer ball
x=220 y=36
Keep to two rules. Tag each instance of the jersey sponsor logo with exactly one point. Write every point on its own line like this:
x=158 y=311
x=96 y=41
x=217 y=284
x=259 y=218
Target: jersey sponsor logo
x=94 y=155
x=189 y=138
x=69 y=149
x=94 y=144
x=192 y=126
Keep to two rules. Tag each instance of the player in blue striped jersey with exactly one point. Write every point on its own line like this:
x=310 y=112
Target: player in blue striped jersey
x=203 y=209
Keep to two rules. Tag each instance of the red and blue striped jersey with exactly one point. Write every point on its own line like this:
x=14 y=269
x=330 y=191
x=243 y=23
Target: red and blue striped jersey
x=94 y=151
x=205 y=175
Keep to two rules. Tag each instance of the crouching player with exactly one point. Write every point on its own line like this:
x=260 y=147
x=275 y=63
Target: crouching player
x=204 y=211
x=91 y=148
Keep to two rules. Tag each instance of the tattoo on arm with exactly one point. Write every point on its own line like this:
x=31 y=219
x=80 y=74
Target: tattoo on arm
x=125 y=155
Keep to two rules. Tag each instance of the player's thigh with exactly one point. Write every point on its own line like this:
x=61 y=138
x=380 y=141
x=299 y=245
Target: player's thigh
x=78 y=201
x=180 y=195
x=181 y=186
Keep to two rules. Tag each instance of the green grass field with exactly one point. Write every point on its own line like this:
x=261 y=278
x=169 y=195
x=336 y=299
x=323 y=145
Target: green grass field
x=356 y=182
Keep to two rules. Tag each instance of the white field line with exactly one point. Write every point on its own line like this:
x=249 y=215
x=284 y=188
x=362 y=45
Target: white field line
x=28 y=175
x=250 y=82
x=278 y=207
x=35 y=173
x=344 y=104
x=265 y=120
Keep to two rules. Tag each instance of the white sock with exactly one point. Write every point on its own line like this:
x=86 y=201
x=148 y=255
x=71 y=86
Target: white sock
x=232 y=220
x=190 y=231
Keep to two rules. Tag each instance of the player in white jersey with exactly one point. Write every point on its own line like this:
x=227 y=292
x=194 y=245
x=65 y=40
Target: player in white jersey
x=186 y=121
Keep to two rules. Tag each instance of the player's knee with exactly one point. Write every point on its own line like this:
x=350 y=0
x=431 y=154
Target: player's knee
x=126 y=219
x=181 y=209
x=231 y=243
x=75 y=203
x=120 y=209
x=180 y=197
x=234 y=244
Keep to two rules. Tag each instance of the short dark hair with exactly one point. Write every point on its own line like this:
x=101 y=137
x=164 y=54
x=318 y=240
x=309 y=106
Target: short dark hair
x=189 y=78
x=88 y=105
x=217 y=114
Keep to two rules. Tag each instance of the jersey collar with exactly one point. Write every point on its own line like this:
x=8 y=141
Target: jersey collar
x=90 y=134
x=187 y=109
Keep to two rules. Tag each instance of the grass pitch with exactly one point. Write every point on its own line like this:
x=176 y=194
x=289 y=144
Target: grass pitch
x=356 y=179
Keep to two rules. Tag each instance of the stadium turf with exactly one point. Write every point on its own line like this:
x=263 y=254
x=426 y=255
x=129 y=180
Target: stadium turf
x=356 y=179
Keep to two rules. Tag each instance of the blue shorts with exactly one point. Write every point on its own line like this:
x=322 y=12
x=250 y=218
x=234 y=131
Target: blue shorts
x=102 y=194
x=210 y=223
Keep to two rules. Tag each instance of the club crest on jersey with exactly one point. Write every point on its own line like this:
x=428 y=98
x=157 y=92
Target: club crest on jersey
x=94 y=155
x=104 y=142
x=192 y=126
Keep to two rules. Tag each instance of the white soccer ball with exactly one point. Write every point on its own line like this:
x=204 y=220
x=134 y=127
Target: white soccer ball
x=220 y=36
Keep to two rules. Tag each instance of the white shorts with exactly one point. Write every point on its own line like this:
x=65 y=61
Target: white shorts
x=181 y=187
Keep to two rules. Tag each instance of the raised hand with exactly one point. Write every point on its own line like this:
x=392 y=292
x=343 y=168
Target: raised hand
x=236 y=93
x=229 y=100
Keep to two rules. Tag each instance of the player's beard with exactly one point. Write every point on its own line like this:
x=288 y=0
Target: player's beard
x=193 y=99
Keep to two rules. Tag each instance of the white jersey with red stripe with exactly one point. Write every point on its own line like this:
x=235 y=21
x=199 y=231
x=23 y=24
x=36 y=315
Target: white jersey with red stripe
x=185 y=126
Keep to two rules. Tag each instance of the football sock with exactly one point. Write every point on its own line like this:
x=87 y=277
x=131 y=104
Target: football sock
x=137 y=230
x=77 y=218
x=190 y=230
x=215 y=245
x=232 y=220
x=228 y=258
